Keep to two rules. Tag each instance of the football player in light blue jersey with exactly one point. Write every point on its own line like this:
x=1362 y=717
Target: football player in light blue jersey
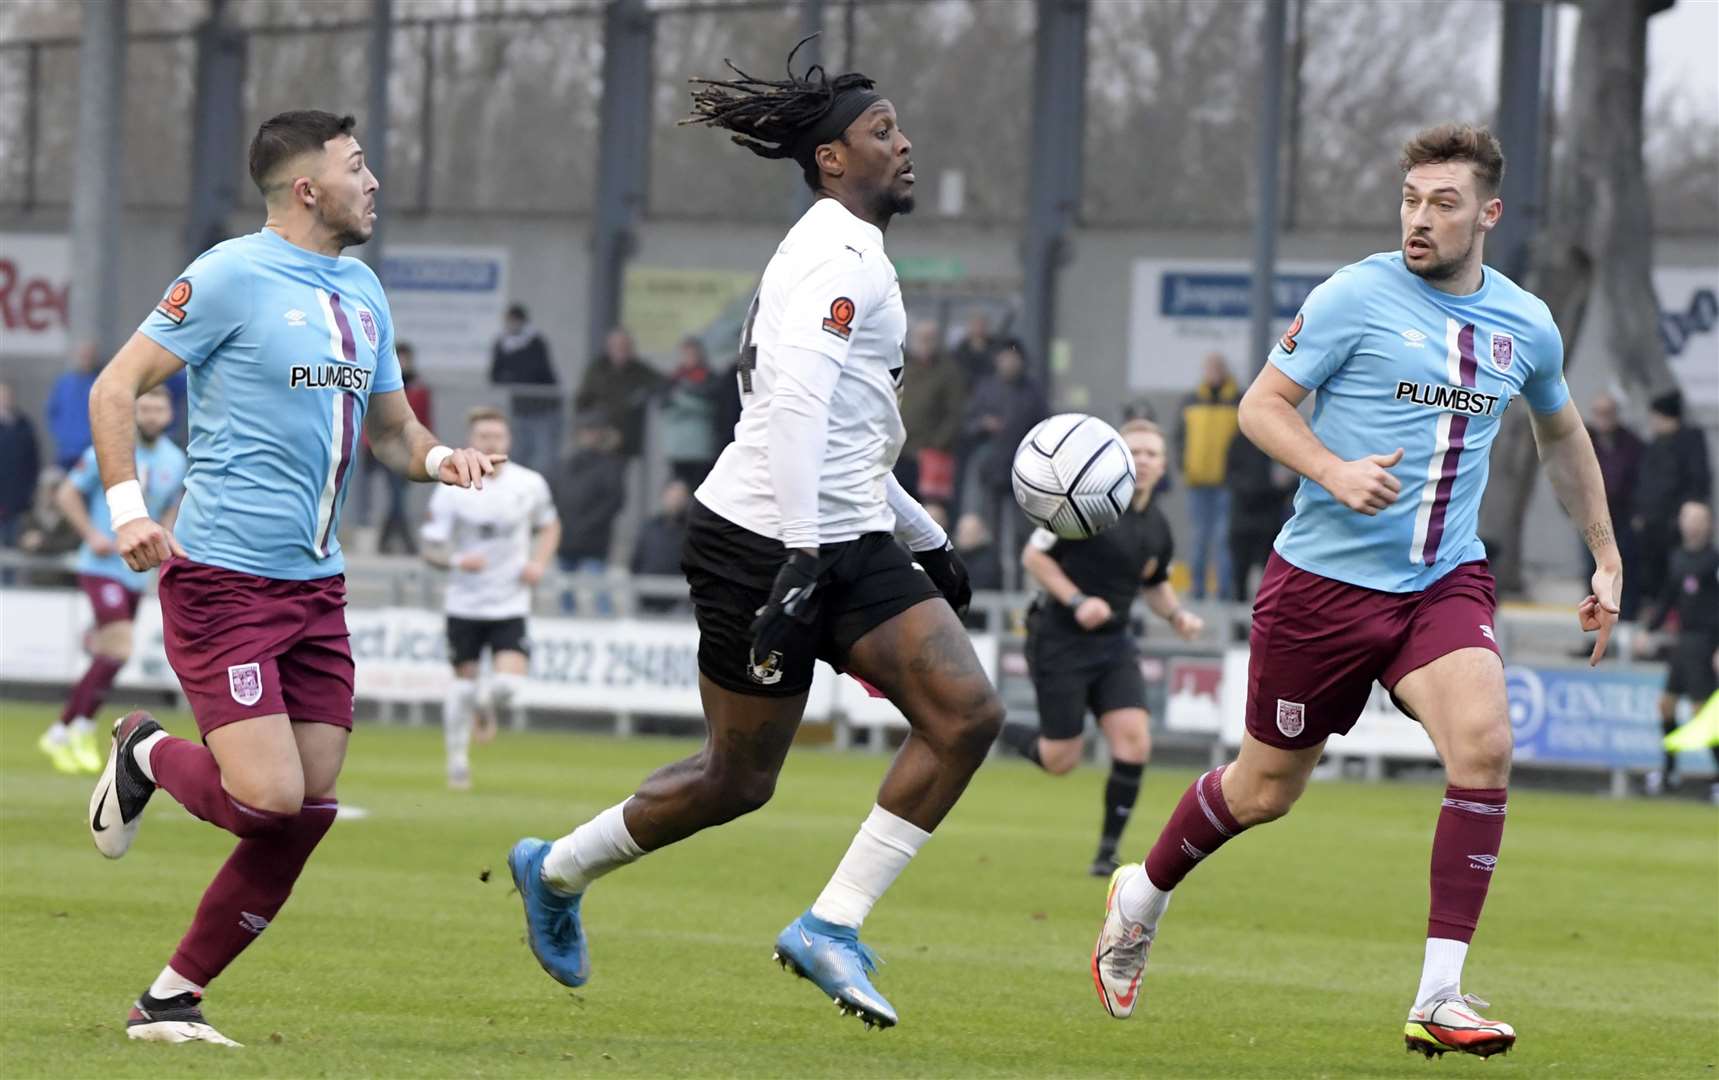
x=290 y=349
x=114 y=589
x=1414 y=356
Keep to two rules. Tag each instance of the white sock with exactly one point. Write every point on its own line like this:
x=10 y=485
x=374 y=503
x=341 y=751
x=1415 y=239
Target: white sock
x=82 y=725
x=590 y=851
x=880 y=852
x=503 y=689
x=140 y=753
x=58 y=734
x=457 y=721
x=171 y=984
x=1142 y=902
x=1441 y=973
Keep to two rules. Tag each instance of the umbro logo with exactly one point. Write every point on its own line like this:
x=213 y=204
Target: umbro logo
x=1482 y=862
x=1415 y=339
x=295 y=317
x=256 y=924
x=1192 y=852
x=1487 y=630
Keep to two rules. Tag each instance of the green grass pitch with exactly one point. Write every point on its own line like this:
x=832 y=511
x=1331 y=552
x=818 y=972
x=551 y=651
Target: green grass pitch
x=1294 y=954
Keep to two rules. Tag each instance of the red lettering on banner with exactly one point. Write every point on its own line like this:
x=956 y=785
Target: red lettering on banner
x=32 y=304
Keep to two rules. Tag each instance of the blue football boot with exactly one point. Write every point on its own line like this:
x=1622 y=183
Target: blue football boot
x=832 y=957
x=551 y=920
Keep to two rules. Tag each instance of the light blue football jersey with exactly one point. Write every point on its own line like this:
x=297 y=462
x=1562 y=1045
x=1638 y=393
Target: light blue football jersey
x=1395 y=362
x=161 y=475
x=285 y=347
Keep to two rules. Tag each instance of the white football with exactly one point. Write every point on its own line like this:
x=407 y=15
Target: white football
x=1073 y=475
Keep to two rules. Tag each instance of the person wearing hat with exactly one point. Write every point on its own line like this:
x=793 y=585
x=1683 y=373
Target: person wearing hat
x=1674 y=470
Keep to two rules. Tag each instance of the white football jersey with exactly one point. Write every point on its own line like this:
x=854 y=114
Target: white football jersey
x=497 y=523
x=829 y=289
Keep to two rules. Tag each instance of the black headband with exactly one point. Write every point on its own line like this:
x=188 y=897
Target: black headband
x=846 y=107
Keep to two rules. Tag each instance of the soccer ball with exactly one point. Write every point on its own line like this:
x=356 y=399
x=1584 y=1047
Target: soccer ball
x=1073 y=475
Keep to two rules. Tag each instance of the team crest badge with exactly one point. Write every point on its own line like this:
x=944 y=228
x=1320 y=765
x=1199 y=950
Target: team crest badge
x=245 y=682
x=367 y=322
x=1503 y=351
x=769 y=673
x=1291 y=718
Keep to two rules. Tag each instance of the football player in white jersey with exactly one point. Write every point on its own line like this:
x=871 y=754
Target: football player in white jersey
x=495 y=543
x=791 y=554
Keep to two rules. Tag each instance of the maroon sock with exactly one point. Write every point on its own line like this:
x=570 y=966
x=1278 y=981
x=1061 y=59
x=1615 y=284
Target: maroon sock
x=87 y=695
x=1197 y=827
x=1465 y=849
x=248 y=892
x=188 y=772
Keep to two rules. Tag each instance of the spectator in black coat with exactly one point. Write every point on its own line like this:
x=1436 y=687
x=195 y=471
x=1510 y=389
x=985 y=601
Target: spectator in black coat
x=590 y=491
x=1674 y=470
x=618 y=385
x=20 y=462
x=519 y=361
x=1619 y=452
x=1260 y=492
x=657 y=550
x=975 y=352
x=1002 y=409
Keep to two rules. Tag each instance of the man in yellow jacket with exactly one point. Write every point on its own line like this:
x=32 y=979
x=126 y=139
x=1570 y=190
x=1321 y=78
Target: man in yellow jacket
x=1208 y=424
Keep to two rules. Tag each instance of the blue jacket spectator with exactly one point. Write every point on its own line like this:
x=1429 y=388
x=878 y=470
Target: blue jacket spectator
x=69 y=408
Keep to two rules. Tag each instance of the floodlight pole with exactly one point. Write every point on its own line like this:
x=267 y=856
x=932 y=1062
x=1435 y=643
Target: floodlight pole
x=1262 y=306
x=217 y=136
x=1519 y=130
x=96 y=224
x=373 y=136
x=623 y=158
x=812 y=52
x=1054 y=179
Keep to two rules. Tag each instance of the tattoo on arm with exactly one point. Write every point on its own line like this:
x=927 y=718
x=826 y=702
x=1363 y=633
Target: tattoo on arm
x=1599 y=535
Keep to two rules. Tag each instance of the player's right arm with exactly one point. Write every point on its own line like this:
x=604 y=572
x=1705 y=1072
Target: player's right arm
x=72 y=499
x=1090 y=612
x=1311 y=351
x=141 y=364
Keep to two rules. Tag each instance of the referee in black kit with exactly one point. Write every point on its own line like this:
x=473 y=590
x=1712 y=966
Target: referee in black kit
x=1079 y=650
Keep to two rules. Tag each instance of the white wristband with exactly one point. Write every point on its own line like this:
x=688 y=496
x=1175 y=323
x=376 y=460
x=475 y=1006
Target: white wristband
x=125 y=503
x=433 y=460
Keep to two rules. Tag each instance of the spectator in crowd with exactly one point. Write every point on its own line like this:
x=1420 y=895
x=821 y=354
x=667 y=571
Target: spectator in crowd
x=22 y=461
x=45 y=529
x=976 y=352
x=1260 y=493
x=1619 y=452
x=68 y=408
x=692 y=398
x=979 y=552
x=617 y=384
x=590 y=490
x=1690 y=593
x=932 y=393
x=1002 y=408
x=1673 y=471
x=1208 y=425
x=396 y=529
x=519 y=362
x=656 y=552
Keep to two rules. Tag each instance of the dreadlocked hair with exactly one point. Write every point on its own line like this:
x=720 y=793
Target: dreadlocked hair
x=768 y=116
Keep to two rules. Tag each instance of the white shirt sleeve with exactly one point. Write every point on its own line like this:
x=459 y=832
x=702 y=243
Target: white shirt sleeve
x=912 y=524
x=1042 y=540
x=825 y=305
x=544 y=514
x=439 y=522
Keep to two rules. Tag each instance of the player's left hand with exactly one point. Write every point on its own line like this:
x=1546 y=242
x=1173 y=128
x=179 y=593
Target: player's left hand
x=1600 y=610
x=532 y=574
x=1187 y=624
x=946 y=570
x=466 y=467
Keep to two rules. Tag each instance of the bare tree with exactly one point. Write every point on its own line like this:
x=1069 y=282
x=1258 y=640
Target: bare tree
x=1598 y=233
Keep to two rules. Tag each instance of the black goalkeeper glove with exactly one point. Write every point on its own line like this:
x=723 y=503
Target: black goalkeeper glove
x=792 y=605
x=946 y=570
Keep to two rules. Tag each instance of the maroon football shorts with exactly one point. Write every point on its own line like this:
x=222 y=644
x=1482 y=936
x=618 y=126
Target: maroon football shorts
x=1318 y=645
x=246 y=646
x=112 y=601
